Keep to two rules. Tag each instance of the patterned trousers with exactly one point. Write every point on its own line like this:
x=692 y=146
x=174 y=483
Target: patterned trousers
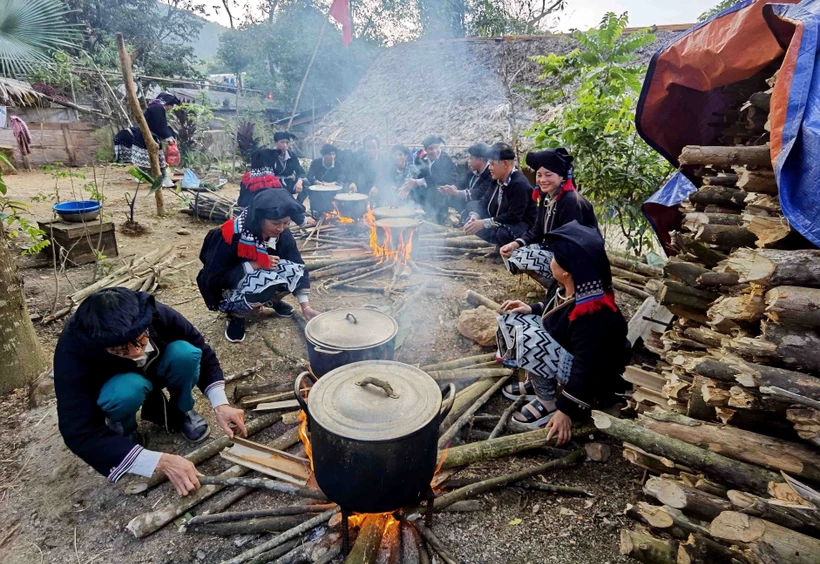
x=264 y=286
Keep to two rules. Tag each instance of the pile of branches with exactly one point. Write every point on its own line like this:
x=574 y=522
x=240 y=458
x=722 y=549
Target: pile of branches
x=728 y=418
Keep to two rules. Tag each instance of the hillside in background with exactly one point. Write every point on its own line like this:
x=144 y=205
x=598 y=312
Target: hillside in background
x=207 y=43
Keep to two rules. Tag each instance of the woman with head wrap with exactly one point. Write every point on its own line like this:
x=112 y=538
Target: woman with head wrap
x=580 y=345
x=558 y=204
x=129 y=145
x=286 y=165
x=253 y=261
x=259 y=177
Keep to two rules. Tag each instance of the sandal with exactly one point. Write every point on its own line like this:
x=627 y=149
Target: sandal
x=534 y=414
x=517 y=389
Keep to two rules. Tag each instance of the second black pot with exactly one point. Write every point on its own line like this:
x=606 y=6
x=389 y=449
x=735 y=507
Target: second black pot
x=321 y=197
x=353 y=205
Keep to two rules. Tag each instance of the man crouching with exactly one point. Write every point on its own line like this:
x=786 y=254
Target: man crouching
x=115 y=355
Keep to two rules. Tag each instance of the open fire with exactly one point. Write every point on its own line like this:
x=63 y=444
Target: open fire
x=396 y=248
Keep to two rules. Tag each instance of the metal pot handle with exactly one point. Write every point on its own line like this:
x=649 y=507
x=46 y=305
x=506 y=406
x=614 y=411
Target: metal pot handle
x=388 y=389
x=447 y=404
x=352 y=317
x=325 y=351
x=297 y=390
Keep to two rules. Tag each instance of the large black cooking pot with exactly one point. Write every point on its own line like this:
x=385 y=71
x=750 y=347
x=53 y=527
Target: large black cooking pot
x=352 y=205
x=342 y=336
x=374 y=433
x=321 y=197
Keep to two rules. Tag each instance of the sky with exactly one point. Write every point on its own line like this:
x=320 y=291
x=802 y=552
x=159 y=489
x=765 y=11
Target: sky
x=583 y=14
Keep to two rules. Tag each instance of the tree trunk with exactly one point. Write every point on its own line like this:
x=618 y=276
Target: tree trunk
x=796 y=517
x=635 y=266
x=691 y=501
x=702 y=550
x=21 y=356
x=367 y=543
x=648 y=549
x=720 y=180
x=723 y=196
x=477 y=299
x=725 y=237
x=666 y=519
x=794 y=304
x=756 y=181
x=676 y=293
x=771 y=232
x=721 y=468
x=795 y=347
x=747 y=307
x=757 y=155
x=766 y=540
x=686 y=272
x=775 y=454
x=771 y=267
x=131 y=95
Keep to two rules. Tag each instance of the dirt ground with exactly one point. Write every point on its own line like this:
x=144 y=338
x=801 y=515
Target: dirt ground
x=55 y=509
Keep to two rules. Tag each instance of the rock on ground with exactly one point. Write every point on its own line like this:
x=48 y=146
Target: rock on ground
x=478 y=325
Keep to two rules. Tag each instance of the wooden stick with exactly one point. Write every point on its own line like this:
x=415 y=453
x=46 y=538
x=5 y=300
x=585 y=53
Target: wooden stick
x=556 y=489
x=456 y=427
x=205 y=452
x=257 y=525
x=691 y=501
x=740 y=474
x=470 y=373
x=131 y=95
x=505 y=417
x=627 y=289
x=757 y=155
x=283 y=537
x=360 y=277
x=492 y=483
x=477 y=299
x=505 y=446
x=256 y=514
x=766 y=541
x=460 y=363
x=265 y=483
x=367 y=543
x=434 y=541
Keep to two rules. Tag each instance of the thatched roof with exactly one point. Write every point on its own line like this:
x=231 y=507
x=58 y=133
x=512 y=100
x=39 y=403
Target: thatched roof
x=463 y=90
x=17 y=92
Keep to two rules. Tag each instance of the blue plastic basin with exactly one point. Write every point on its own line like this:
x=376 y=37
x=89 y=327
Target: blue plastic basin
x=77 y=210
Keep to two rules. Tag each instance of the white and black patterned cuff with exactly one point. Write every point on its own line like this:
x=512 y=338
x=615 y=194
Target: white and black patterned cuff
x=126 y=464
x=145 y=463
x=216 y=394
x=521 y=243
x=246 y=266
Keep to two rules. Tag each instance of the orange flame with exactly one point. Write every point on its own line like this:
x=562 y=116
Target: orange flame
x=303 y=436
x=400 y=252
x=438 y=477
x=339 y=217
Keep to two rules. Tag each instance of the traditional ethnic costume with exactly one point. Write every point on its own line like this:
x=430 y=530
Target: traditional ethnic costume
x=580 y=345
x=533 y=257
x=287 y=167
x=474 y=184
x=129 y=144
x=227 y=281
x=99 y=394
x=433 y=174
x=260 y=177
x=320 y=172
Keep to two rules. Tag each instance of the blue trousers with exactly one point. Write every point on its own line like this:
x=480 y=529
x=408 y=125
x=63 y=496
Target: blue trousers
x=177 y=371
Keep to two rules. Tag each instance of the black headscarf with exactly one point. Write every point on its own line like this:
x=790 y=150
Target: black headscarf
x=432 y=140
x=263 y=158
x=168 y=99
x=557 y=160
x=273 y=204
x=580 y=251
x=283 y=135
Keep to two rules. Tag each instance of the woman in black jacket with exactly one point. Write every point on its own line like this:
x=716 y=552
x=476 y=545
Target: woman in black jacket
x=558 y=204
x=129 y=144
x=580 y=345
x=253 y=261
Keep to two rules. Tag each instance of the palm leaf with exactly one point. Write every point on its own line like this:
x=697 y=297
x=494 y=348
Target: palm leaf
x=29 y=30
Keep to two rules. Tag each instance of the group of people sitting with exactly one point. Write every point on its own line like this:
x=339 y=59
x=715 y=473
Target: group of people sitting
x=121 y=348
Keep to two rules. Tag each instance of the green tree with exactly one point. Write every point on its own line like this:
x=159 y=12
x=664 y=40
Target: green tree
x=597 y=87
x=236 y=51
x=30 y=30
x=724 y=4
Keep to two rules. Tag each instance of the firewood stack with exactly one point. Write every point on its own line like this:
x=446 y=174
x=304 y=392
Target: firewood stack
x=728 y=420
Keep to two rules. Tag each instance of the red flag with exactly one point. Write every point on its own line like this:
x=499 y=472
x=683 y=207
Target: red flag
x=340 y=11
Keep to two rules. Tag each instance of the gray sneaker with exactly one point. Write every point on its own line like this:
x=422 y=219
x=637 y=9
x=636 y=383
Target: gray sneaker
x=194 y=427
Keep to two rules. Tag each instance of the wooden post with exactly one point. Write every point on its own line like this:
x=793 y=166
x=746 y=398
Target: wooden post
x=131 y=94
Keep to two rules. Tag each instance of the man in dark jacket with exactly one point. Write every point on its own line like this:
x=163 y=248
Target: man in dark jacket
x=325 y=169
x=474 y=184
x=366 y=168
x=115 y=355
x=435 y=169
x=287 y=166
x=507 y=210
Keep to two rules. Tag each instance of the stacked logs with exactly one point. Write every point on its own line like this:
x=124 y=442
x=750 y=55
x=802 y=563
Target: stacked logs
x=727 y=419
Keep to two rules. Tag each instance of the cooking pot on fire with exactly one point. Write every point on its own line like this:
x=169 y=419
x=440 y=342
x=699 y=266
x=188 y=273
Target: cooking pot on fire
x=347 y=335
x=390 y=212
x=321 y=197
x=351 y=205
x=374 y=433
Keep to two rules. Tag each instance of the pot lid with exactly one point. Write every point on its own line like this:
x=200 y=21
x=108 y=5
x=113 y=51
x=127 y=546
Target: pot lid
x=352 y=401
x=385 y=212
x=348 y=197
x=325 y=187
x=352 y=328
x=397 y=223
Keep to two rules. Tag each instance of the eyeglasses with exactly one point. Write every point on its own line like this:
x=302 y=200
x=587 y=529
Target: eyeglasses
x=138 y=345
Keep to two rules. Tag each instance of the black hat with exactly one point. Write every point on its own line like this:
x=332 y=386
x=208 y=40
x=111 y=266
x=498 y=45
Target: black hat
x=327 y=148
x=114 y=316
x=432 y=140
x=501 y=152
x=264 y=157
x=168 y=99
x=283 y=135
x=479 y=150
x=274 y=203
x=557 y=160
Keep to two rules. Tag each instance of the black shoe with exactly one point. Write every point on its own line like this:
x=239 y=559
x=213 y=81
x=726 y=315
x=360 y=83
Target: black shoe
x=118 y=428
x=282 y=309
x=235 y=329
x=194 y=428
